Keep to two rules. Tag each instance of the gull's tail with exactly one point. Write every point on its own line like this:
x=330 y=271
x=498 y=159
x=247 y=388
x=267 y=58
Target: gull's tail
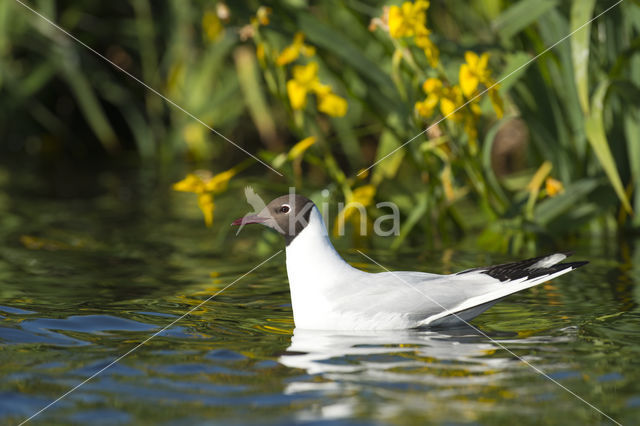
x=529 y=269
x=513 y=277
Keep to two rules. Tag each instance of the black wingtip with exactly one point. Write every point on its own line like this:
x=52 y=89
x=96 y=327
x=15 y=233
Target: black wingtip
x=574 y=265
x=523 y=268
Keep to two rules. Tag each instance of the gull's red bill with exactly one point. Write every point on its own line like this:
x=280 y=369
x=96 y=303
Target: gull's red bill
x=253 y=218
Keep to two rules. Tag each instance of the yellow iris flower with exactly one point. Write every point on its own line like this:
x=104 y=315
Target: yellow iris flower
x=433 y=88
x=333 y=105
x=553 y=186
x=305 y=80
x=405 y=20
x=449 y=98
x=474 y=72
x=409 y=20
x=293 y=51
x=205 y=186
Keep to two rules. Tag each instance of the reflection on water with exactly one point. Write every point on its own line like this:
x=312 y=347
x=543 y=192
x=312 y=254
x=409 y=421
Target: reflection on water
x=83 y=281
x=330 y=352
x=431 y=361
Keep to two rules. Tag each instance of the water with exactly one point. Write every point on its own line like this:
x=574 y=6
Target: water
x=89 y=272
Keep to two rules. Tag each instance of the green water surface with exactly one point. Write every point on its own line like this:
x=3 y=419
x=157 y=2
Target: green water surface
x=89 y=268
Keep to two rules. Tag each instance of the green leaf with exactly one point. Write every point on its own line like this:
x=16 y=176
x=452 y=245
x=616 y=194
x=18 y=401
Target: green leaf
x=416 y=214
x=513 y=69
x=487 y=167
x=255 y=99
x=348 y=141
x=598 y=140
x=387 y=168
x=581 y=12
x=632 y=131
x=91 y=108
x=38 y=78
x=519 y=16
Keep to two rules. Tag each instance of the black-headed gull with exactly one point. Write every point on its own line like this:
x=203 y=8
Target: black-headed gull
x=329 y=294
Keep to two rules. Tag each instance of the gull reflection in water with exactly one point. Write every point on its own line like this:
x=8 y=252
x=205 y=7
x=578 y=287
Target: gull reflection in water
x=348 y=361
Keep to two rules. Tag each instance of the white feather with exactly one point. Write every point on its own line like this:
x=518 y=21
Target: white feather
x=548 y=261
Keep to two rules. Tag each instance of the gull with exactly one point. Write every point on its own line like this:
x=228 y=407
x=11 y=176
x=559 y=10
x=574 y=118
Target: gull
x=329 y=294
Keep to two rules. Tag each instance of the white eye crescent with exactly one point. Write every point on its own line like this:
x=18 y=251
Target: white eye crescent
x=285 y=208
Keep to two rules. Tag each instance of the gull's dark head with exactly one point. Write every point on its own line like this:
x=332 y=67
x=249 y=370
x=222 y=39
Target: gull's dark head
x=287 y=214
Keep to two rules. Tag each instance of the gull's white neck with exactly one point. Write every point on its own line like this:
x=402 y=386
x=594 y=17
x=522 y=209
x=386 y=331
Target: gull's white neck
x=315 y=270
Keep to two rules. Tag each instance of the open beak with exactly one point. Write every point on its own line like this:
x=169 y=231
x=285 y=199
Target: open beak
x=252 y=218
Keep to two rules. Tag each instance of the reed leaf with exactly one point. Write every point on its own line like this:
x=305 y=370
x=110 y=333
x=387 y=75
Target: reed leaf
x=581 y=12
x=520 y=15
x=598 y=139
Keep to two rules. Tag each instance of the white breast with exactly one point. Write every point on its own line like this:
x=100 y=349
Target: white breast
x=316 y=274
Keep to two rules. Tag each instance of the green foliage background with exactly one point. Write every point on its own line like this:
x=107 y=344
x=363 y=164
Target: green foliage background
x=576 y=106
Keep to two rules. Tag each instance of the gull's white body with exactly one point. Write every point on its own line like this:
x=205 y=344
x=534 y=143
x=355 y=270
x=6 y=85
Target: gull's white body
x=327 y=293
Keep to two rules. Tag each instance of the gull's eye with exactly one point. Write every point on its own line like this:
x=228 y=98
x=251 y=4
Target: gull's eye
x=284 y=208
